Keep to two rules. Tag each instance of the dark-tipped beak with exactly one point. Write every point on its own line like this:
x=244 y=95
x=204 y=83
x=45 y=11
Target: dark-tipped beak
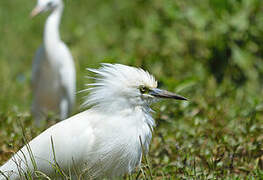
x=165 y=94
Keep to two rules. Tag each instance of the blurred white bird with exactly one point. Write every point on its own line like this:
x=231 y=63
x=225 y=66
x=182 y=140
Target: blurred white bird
x=53 y=75
x=104 y=141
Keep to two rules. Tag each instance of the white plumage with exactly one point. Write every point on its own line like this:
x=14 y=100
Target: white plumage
x=53 y=74
x=103 y=141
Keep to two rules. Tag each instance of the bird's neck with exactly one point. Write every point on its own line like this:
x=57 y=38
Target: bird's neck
x=142 y=113
x=51 y=31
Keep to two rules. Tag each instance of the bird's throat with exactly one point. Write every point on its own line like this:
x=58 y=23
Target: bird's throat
x=51 y=31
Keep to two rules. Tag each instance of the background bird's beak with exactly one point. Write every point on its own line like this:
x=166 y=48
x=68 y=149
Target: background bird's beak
x=165 y=94
x=36 y=11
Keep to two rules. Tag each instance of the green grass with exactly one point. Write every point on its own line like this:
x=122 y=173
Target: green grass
x=209 y=51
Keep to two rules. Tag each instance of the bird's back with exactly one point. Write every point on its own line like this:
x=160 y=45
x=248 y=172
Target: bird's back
x=97 y=144
x=66 y=137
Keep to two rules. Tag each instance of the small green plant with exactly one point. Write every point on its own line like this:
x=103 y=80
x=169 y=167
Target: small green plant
x=210 y=51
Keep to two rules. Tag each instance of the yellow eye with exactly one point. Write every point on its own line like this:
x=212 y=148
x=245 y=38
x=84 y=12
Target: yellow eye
x=143 y=89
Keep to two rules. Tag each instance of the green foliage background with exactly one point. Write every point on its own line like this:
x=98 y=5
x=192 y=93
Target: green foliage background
x=208 y=50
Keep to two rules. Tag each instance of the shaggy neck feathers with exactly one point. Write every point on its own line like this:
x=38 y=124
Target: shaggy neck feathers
x=116 y=90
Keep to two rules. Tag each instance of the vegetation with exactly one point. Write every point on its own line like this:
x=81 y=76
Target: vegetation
x=208 y=50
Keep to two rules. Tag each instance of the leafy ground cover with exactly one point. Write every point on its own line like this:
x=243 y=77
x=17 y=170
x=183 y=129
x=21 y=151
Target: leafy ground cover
x=209 y=51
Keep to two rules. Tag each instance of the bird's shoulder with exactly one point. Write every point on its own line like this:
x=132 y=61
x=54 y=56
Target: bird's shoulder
x=72 y=127
x=81 y=120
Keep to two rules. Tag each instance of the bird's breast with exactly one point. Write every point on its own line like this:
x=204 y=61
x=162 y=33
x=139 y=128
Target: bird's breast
x=118 y=148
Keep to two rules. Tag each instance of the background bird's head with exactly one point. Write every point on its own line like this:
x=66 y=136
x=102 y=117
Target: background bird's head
x=124 y=86
x=46 y=5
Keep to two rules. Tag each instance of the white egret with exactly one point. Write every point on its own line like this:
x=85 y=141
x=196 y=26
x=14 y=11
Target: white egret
x=53 y=75
x=105 y=140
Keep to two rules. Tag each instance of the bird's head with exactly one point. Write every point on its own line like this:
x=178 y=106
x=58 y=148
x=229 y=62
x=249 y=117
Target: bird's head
x=46 y=5
x=124 y=86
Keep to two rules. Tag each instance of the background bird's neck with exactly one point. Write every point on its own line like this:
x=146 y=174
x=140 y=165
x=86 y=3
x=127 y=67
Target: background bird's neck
x=51 y=32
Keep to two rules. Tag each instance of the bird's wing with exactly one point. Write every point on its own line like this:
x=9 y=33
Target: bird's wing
x=67 y=75
x=71 y=139
x=37 y=66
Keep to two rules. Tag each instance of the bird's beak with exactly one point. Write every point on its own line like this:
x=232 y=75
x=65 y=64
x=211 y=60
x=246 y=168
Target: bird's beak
x=36 y=11
x=165 y=94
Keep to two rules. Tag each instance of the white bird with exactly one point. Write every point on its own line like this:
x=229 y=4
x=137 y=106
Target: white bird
x=53 y=74
x=105 y=140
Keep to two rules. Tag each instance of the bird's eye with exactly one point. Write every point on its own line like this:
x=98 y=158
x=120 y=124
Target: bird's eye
x=143 y=89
